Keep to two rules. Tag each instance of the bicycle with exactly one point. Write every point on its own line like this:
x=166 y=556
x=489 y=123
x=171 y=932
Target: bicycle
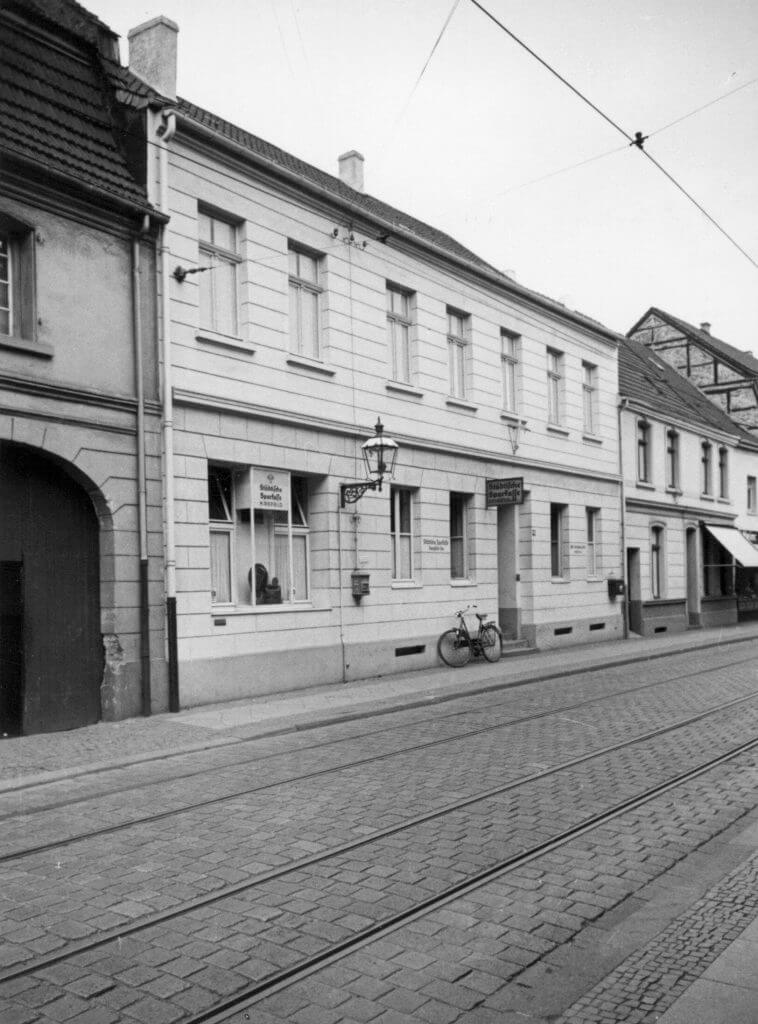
x=456 y=646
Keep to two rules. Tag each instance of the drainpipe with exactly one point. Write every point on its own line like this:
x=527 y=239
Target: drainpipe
x=166 y=132
x=144 y=600
x=623 y=405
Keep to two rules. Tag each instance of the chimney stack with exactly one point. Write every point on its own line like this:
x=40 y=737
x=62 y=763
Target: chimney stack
x=705 y=328
x=152 y=54
x=351 y=169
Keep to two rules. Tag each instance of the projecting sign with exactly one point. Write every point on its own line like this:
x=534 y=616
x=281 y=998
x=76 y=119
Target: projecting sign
x=271 y=490
x=509 y=491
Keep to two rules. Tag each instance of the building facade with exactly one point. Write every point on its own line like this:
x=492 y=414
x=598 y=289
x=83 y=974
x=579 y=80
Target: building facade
x=689 y=484
x=81 y=592
x=296 y=310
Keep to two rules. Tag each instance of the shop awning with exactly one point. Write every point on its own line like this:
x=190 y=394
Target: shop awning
x=739 y=548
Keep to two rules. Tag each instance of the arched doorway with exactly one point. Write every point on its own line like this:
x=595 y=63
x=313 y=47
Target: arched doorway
x=51 y=653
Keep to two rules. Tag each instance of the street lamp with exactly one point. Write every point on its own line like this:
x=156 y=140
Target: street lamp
x=379 y=454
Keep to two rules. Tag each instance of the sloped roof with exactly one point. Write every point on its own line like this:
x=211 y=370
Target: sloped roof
x=746 y=361
x=645 y=378
x=55 y=106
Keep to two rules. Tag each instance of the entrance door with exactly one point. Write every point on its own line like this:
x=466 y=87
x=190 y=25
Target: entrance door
x=507 y=568
x=11 y=648
x=50 y=535
x=635 y=590
x=693 y=579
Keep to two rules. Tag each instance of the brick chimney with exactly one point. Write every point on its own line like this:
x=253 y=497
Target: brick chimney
x=351 y=169
x=705 y=328
x=152 y=54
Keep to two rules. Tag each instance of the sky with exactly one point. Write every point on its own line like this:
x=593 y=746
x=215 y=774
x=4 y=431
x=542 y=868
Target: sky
x=465 y=147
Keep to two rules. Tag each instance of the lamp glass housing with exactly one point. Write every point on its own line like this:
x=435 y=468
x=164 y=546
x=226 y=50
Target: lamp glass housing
x=379 y=454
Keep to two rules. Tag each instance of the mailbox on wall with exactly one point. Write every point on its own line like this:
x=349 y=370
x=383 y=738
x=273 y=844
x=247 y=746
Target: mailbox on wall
x=360 y=584
x=616 y=588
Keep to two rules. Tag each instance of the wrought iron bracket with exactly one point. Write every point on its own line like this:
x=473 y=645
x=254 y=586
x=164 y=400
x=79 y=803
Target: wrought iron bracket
x=350 y=493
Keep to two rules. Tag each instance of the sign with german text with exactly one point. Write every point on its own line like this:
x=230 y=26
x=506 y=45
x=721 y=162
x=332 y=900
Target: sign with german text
x=436 y=545
x=509 y=491
x=271 y=490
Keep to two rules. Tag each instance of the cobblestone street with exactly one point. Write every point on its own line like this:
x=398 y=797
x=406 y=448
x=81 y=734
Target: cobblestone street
x=579 y=849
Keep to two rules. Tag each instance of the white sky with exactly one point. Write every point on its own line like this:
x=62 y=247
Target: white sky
x=319 y=77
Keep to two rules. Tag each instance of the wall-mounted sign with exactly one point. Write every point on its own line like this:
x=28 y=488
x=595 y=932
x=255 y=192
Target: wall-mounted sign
x=436 y=545
x=509 y=491
x=577 y=549
x=271 y=490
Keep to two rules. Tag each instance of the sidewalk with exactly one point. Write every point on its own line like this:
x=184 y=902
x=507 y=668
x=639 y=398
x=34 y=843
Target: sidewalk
x=51 y=756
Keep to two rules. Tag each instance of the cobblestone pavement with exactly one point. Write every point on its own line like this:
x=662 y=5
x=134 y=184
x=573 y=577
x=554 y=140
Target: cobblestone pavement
x=180 y=965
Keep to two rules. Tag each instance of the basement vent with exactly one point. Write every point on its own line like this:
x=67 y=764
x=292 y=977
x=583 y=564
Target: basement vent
x=219 y=622
x=661 y=629
x=403 y=652
x=597 y=625
x=563 y=630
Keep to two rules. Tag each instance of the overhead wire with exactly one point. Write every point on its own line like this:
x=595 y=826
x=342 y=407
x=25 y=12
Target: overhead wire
x=636 y=141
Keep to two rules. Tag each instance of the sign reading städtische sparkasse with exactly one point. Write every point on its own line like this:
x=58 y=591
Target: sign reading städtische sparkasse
x=271 y=490
x=509 y=491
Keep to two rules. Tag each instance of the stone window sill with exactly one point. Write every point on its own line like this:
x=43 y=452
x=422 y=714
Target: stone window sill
x=224 y=340
x=403 y=388
x=29 y=348
x=461 y=403
x=554 y=428
x=306 y=363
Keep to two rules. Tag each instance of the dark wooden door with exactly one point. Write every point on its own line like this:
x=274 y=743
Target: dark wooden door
x=50 y=527
x=11 y=648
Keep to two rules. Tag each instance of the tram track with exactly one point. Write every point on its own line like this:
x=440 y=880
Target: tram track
x=106 y=937
x=157 y=816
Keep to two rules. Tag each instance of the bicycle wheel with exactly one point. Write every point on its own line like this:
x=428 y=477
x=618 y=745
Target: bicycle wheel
x=492 y=642
x=454 y=649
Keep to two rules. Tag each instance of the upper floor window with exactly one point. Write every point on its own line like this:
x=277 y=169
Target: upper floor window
x=305 y=298
x=457 y=343
x=751 y=495
x=589 y=398
x=399 y=324
x=401 y=528
x=672 y=459
x=706 y=459
x=218 y=284
x=723 y=472
x=509 y=355
x=554 y=386
x=643 y=453
x=17 y=314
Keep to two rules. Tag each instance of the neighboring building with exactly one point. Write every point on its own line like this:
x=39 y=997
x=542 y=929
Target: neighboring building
x=296 y=309
x=689 y=481
x=726 y=375
x=81 y=595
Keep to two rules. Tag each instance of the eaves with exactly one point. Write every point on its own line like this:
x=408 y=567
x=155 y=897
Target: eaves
x=699 y=427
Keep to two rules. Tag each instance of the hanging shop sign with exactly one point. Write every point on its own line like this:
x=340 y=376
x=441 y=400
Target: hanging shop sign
x=271 y=490
x=509 y=491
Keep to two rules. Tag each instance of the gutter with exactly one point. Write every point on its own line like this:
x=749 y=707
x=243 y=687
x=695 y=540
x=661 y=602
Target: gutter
x=144 y=598
x=398 y=231
x=623 y=405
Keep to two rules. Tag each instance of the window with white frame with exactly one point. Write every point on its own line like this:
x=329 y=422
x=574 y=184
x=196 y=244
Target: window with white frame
x=554 y=386
x=706 y=467
x=219 y=301
x=509 y=355
x=305 y=302
x=459 y=515
x=589 y=398
x=399 y=325
x=593 y=542
x=752 y=495
x=643 y=451
x=401 y=529
x=723 y=472
x=656 y=561
x=17 y=277
x=558 y=515
x=221 y=527
x=457 y=344
x=672 y=459
x=259 y=536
